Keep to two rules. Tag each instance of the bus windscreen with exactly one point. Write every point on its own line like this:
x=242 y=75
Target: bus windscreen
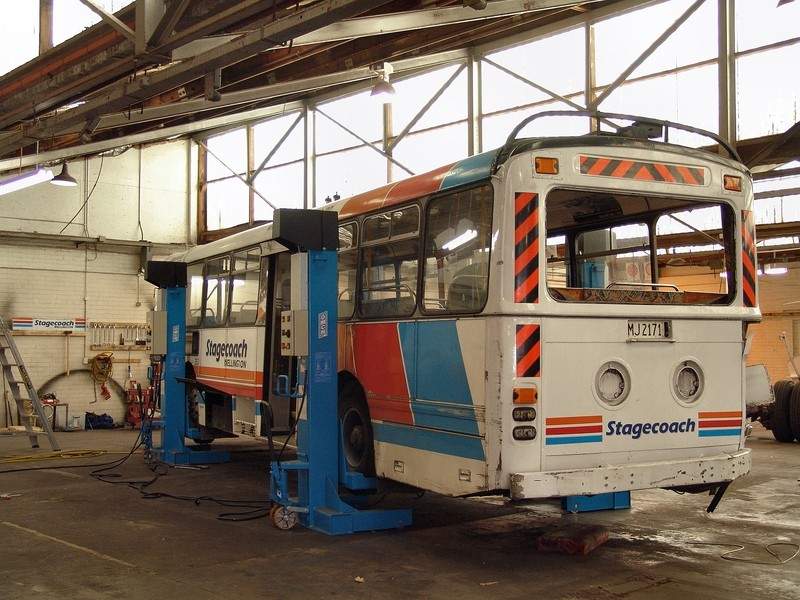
x=621 y=248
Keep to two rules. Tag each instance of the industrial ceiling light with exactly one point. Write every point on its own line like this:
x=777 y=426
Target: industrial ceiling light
x=383 y=90
x=64 y=179
x=19 y=182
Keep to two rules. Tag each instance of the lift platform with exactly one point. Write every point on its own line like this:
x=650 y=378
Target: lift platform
x=316 y=489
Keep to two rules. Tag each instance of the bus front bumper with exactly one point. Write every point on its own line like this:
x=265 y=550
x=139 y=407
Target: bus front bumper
x=641 y=476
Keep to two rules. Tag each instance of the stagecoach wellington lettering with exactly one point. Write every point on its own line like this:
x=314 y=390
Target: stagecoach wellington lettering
x=234 y=354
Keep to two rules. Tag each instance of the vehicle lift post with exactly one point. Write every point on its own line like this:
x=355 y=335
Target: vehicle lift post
x=170 y=277
x=321 y=472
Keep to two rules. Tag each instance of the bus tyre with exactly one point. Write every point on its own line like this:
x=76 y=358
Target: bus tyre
x=357 y=439
x=794 y=412
x=781 y=427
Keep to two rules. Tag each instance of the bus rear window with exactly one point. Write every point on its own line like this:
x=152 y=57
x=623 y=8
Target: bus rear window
x=636 y=249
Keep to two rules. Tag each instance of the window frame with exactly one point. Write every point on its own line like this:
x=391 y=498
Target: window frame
x=208 y=260
x=487 y=183
x=362 y=247
x=231 y=272
x=727 y=209
x=202 y=263
x=392 y=238
x=356 y=249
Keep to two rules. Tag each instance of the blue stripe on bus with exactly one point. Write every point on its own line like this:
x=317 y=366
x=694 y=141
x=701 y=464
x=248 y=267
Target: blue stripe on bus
x=441 y=442
x=718 y=432
x=469 y=170
x=407 y=332
x=572 y=439
x=442 y=380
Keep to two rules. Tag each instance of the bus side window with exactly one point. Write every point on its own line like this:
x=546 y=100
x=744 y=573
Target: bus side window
x=194 y=296
x=261 y=315
x=389 y=267
x=244 y=293
x=348 y=259
x=215 y=311
x=457 y=247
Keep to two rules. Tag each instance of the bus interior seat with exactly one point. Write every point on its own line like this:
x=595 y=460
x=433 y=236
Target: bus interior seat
x=388 y=307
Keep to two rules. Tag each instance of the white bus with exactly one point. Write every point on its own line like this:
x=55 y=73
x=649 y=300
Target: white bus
x=562 y=316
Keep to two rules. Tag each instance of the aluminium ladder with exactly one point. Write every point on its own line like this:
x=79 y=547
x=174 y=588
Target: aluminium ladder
x=19 y=380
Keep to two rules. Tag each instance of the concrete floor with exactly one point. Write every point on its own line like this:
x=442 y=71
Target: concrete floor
x=69 y=536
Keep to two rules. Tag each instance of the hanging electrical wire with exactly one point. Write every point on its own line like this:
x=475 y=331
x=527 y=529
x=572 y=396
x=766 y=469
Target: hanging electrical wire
x=85 y=202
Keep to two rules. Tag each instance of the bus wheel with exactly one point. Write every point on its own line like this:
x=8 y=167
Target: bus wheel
x=357 y=440
x=794 y=412
x=781 y=428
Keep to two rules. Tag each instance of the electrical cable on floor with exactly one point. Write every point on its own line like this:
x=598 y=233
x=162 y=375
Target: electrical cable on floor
x=736 y=548
x=257 y=508
x=59 y=455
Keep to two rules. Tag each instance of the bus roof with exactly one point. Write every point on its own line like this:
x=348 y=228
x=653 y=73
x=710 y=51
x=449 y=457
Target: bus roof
x=464 y=172
x=470 y=170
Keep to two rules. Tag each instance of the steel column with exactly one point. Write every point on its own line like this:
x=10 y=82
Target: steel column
x=309 y=156
x=474 y=103
x=726 y=70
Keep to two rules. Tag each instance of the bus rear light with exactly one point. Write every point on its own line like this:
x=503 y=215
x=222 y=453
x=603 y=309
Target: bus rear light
x=524 y=413
x=526 y=395
x=732 y=183
x=546 y=166
x=524 y=432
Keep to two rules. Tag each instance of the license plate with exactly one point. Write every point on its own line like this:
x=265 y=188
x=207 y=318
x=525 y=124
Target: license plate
x=649 y=331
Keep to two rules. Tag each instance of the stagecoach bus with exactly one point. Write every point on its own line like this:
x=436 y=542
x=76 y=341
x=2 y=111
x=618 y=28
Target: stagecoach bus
x=562 y=316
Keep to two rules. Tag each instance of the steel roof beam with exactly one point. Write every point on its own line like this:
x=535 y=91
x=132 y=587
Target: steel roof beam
x=261 y=93
x=396 y=23
x=109 y=18
x=168 y=22
x=123 y=95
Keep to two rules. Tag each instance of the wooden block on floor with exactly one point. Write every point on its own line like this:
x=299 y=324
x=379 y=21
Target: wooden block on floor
x=573 y=539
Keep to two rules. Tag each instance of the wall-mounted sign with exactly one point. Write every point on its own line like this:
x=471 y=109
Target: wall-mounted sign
x=37 y=324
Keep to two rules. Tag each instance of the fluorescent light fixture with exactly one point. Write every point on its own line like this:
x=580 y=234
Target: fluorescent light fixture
x=25 y=180
x=64 y=179
x=460 y=240
x=775 y=270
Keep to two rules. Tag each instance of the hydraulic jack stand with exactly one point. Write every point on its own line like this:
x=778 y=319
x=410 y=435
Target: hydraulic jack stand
x=319 y=474
x=169 y=340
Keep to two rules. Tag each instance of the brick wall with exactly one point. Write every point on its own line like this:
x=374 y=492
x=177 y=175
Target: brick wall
x=774 y=292
x=65 y=282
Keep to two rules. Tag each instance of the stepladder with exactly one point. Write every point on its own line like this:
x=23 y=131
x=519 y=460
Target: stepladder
x=29 y=406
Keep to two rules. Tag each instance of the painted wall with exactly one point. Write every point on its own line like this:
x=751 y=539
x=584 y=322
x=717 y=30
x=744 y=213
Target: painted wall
x=93 y=282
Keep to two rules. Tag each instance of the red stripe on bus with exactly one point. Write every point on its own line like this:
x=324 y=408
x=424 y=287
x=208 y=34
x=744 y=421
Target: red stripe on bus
x=574 y=429
x=664 y=172
x=598 y=167
x=574 y=420
x=526 y=226
x=687 y=175
x=622 y=168
x=643 y=174
x=524 y=289
x=721 y=423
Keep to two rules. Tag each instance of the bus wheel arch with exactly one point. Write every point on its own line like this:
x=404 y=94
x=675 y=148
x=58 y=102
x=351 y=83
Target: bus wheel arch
x=356 y=426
